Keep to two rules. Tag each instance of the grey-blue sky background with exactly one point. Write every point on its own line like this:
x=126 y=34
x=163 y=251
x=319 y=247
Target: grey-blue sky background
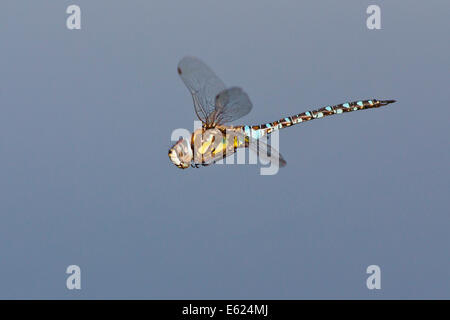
x=85 y=124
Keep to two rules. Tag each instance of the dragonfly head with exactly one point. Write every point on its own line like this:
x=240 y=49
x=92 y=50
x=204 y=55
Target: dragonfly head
x=181 y=154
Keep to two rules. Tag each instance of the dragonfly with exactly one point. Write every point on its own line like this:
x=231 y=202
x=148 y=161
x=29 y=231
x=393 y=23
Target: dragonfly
x=216 y=106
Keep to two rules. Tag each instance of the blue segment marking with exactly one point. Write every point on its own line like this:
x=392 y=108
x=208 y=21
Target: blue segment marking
x=247 y=130
x=256 y=134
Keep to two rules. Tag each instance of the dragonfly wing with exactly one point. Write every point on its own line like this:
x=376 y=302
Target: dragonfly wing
x=231 y=104
x=266 y=152
x=202 y=83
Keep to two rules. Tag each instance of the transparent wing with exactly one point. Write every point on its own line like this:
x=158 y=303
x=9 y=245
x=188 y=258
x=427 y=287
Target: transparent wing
x=202 y=83
x=230 y=104
x=266 y=152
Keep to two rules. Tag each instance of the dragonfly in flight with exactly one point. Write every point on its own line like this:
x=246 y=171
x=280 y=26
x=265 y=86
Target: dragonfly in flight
x=216 y=106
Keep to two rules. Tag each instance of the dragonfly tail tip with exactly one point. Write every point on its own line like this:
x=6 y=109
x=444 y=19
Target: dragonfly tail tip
x=386 y=102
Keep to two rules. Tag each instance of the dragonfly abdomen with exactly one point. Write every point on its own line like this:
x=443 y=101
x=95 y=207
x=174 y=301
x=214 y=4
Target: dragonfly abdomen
x=258 y=131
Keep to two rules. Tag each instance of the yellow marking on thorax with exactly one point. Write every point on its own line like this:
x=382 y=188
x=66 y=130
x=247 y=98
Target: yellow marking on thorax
x=204 y=146
x=240 y=142
x=220 y=147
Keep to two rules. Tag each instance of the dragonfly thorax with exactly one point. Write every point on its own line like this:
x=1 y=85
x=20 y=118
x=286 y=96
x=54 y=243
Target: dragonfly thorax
x=212 y=144
x=206 y=145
